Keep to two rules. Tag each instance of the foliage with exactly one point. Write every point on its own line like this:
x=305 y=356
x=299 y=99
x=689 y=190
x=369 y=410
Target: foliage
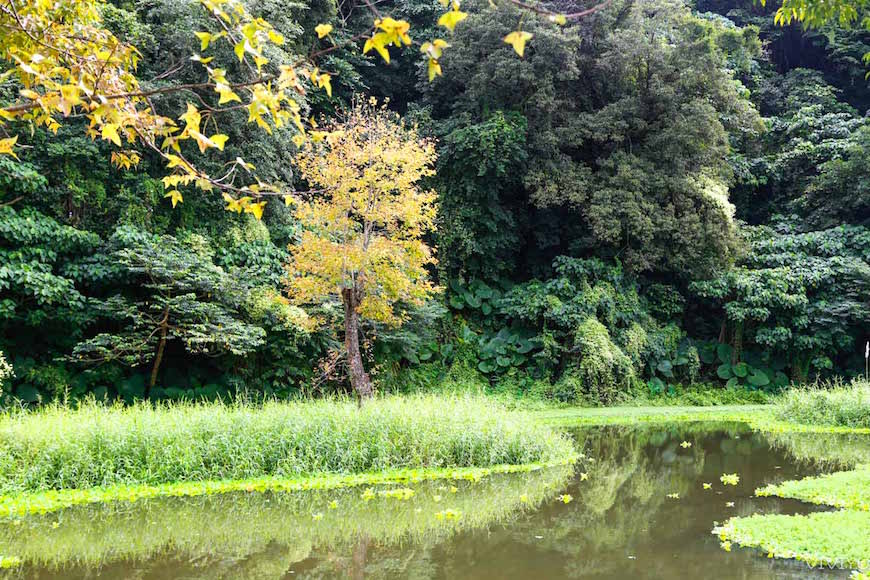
x=604 y=371
x=6 y=372
x=365 y=231
x=58 y=447
x=836 y=404
x=363 y=237
x=183 y=297
x=797 y=296
x=609 y=164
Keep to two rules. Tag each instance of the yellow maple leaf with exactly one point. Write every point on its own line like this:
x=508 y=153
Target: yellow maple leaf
x=6 y=146
x=232 y=203
x=377 y=42
x=449 y=20
x=226 y=94
x=518 y=39
x=256 y=209
x=324 y=82
x=175 y=197
x=204 y=39
x=322 y=30
x=434 y=69
x=219 y=139
x=109 y=132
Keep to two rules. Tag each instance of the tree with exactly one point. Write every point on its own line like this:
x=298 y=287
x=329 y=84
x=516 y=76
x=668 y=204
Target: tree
x=186 y=298
x=625 y=123
x=363 y=237
x=801 y=297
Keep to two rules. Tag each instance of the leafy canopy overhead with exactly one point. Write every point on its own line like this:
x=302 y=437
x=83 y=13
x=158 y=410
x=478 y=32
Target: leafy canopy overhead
x=65 y=61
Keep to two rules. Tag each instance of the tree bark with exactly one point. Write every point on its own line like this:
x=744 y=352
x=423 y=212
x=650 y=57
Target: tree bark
x=161 y=346
x=359 y=378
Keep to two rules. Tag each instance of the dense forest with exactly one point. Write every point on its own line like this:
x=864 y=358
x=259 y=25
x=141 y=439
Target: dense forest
x=657 y=195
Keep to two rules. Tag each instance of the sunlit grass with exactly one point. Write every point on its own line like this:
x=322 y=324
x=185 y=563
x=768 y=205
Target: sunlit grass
x=833 y=404
x=60 y=448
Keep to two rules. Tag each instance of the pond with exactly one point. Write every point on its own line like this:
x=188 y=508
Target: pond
x=611 y=517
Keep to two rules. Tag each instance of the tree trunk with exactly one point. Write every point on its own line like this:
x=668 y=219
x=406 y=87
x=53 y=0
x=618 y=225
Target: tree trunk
x=161 y=346
x=359 y=378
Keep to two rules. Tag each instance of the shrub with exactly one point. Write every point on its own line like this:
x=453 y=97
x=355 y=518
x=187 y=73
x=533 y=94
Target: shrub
x=94 y=445
x=604 y=370
x=833 y=403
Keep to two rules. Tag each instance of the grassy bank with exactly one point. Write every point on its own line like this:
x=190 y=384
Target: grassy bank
x=96 y=446
x=833 y=404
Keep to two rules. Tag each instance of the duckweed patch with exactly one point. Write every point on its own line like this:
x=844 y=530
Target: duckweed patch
x=43 y=502
x=844 y=489
x=245 y=524
x=835 y=539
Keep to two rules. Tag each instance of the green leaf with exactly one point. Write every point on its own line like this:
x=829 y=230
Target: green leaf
x=741 y=369
x=485 y=366
x=732 y=383
x=471 y=299
x=457 y=302
x=724 y=371
x=27 y=393
x=724 y=352
x=666 y=368
x=503 y=361
x=758 y=378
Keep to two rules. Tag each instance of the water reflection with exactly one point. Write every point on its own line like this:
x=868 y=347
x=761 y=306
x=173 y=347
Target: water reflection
x=620 y=524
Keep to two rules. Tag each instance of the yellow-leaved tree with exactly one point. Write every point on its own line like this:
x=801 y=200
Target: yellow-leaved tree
x=363 y=234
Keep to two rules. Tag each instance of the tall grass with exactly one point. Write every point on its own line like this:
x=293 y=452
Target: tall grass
x=94 y=445
x=834 y=403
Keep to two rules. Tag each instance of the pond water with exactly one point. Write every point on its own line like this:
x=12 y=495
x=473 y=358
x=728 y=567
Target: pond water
x=618 y=523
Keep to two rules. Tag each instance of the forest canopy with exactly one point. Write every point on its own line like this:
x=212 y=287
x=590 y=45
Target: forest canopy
x=581 y=201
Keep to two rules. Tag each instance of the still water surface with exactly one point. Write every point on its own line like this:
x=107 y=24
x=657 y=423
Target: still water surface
x=618 y=522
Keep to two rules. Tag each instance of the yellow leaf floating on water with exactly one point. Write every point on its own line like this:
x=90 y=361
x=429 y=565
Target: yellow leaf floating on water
x=322 y=30
x=317 y=517
x=730 y=479
x=584 y=476
x=518 y=39
x=673 y=496
x=708 y=485
x=685 y=444
x=566 y=498
x=726 y=545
